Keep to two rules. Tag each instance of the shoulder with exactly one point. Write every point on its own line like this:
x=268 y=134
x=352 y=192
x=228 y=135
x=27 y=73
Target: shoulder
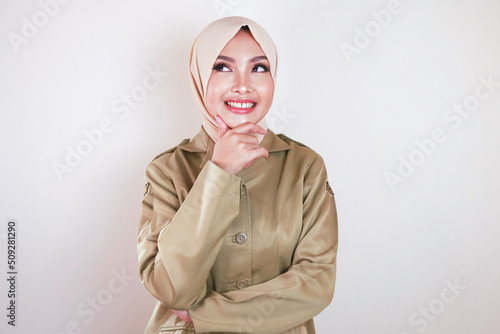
x=170 y=162
x=301 y=151
x=182 y=152
x=296 y=145
x=170 y=151
x=289 y=140
x=314 y=166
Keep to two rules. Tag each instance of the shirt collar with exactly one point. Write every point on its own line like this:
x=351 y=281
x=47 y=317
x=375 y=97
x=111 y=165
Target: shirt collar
x=203 y=143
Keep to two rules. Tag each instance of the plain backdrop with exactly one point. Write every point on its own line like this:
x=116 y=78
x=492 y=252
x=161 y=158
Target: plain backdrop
x=401 y=98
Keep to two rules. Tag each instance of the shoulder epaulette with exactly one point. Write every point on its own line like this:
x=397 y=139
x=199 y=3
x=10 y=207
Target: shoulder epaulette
x=185 y=141
x=288 y=139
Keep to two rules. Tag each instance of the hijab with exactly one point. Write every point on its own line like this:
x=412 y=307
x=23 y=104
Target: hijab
x=207 y=47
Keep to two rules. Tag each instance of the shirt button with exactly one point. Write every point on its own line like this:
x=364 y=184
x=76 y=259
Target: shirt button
x=241 y=238
x=242 y=191
x=241 y=284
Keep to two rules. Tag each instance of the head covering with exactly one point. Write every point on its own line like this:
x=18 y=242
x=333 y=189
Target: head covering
x=207 y=47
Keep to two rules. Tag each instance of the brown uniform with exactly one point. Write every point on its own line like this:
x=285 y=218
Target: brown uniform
x=247 y=253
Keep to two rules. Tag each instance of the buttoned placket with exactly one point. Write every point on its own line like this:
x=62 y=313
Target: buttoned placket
x=241 y=235
x=242 y=238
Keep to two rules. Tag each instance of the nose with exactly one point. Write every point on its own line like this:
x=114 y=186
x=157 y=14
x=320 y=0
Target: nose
x=242 y=83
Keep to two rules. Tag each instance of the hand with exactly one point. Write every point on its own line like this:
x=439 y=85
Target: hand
x=183 y=315
x=237 y=148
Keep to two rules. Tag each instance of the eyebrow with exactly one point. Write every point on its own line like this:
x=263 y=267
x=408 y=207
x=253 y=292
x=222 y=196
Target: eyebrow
x=253 y=60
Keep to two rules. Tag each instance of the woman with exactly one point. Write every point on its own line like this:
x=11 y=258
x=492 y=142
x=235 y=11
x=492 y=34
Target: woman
x=238 y=232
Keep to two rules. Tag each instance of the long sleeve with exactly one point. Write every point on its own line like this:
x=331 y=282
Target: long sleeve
x=295 y=296
x=178 y=242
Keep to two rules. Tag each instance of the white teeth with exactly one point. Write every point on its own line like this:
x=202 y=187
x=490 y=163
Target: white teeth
x=240 y=105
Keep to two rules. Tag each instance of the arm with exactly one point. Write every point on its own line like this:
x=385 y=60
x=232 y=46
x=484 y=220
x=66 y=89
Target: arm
x=178 y=244
x=295 y=296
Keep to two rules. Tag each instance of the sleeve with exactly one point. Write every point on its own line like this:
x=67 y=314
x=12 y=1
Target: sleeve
x=178 y=244
x=295 y=296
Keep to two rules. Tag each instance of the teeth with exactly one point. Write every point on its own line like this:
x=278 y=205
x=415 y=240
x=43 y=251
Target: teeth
x=240 y=105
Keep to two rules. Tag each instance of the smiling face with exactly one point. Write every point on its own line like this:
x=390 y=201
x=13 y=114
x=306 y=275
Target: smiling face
x=240 y=88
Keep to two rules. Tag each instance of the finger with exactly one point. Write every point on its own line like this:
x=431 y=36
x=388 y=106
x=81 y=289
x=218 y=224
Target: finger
x=258 y=152
x=222 y=127
x=246 y=138
x=183 y=315
x=249 y=128
x=265 y=153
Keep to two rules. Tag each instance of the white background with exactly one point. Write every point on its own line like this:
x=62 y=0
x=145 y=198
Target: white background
x=362 y=112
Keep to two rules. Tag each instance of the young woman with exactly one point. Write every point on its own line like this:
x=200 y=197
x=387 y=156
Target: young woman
x=238 y=232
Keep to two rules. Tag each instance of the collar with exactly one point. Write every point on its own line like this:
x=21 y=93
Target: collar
x=203 y=143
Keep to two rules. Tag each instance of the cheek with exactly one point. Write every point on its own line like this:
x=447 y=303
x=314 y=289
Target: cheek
x=213 y=95
x=267 y=92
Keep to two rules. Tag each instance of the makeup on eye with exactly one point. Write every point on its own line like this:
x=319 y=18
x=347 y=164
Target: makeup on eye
x=262 y=66
x=222 y=67
x=252 y=60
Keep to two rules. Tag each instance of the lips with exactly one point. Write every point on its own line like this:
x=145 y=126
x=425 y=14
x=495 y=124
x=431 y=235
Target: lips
x=240 y=106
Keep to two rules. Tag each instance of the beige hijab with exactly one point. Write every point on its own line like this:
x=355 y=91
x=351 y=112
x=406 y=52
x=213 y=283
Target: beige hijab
x=207 y=48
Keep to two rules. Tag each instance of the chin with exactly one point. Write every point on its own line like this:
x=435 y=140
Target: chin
x=232 y=123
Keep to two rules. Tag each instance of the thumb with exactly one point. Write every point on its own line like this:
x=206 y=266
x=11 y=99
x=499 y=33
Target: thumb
x=222 y=127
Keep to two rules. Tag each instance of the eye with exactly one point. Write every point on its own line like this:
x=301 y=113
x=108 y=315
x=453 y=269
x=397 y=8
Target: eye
x=260 y=68
x=221 y=67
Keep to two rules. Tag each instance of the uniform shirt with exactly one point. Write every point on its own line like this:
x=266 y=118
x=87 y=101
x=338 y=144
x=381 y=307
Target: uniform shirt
x=248 y=253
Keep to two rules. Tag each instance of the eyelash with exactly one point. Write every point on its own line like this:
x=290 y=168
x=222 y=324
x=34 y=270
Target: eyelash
x=220 y=66
x=266 y=69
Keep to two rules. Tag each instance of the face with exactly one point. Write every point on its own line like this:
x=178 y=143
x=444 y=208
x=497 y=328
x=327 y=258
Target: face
x=240 y=88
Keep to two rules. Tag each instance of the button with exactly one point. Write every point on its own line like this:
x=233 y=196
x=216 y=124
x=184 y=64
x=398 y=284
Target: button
x=242 y=191
x=241 y=238
x=241 y=284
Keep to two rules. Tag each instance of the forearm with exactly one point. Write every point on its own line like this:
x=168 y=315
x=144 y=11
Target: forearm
x=186 y=246
x=295 y=296
x=271 y=307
